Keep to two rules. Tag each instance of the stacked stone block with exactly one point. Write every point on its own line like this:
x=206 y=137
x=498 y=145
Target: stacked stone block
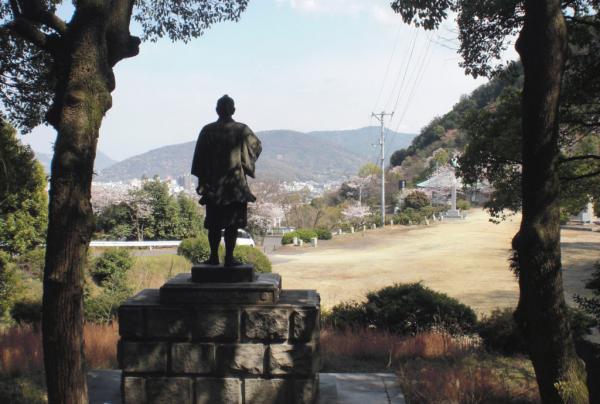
x=220 y=353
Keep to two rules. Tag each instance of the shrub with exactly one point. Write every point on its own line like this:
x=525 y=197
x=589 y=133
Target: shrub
x=288 y=238
x=463 y=204
x=111 y=266
x=9 y=283
x=27 y=312
x=417 y=200
x=500 y=332
x=251 y=255
x=196 y=249
x=323 y=234
x=306 y=234
x=303 y=234
x=103 y=307
x=32 y=262
x=405 y=309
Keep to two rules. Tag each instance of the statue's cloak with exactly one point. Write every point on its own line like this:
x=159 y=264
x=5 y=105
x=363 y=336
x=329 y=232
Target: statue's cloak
x=226 y=151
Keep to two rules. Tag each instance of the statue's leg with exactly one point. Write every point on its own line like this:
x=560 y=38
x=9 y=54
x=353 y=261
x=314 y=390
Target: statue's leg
x=214 y=239
x=230 y=240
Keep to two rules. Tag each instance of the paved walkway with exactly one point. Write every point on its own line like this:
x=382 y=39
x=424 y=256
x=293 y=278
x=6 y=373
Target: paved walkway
x=335 y=388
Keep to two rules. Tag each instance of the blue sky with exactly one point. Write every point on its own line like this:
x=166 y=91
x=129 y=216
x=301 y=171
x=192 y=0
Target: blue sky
x=289 y=64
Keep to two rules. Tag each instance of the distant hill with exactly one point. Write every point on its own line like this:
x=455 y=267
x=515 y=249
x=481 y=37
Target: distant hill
x=102 y=161
x=287 y=156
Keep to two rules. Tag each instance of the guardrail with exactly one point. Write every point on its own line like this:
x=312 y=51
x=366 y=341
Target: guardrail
x=147 y=244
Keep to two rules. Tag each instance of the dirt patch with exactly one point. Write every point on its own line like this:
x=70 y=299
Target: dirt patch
x=467 y=259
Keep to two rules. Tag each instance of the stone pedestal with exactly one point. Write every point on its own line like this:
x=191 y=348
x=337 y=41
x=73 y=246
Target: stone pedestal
x=245 y=342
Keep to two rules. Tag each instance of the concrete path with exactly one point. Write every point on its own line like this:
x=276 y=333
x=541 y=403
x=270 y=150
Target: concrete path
x=335 y=388
x=359 y=388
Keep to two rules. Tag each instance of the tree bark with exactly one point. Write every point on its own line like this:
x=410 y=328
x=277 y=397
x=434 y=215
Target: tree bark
x=83 y=95
x=542 y=311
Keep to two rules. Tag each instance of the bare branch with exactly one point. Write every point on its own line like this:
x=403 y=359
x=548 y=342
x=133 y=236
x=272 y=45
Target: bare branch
x=580 y=177
x=578 y=158
x=121 y=43
x=25 y=29
x=14 y=6
x=53 y=21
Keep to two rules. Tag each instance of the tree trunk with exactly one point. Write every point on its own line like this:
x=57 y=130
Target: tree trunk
x=85 y=81
x=542 y=311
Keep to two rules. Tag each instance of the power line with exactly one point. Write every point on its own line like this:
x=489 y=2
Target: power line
x=387 y=70
x=404 y=76
x=412 y=48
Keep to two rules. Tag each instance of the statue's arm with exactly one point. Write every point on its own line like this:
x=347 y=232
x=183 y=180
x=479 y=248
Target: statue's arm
x=200 y=161
x=250 y=151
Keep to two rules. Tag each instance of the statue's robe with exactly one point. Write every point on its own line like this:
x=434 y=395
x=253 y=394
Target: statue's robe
x=226 y=152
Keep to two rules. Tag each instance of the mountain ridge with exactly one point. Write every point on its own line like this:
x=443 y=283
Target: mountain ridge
x=334 y=155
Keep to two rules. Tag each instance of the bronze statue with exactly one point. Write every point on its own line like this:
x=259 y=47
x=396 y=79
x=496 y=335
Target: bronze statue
x=226 y=151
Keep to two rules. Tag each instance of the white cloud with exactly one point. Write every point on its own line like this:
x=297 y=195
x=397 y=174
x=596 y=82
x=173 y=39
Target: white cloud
x=328 y=6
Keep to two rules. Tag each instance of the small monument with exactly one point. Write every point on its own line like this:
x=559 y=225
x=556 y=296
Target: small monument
x=222 y=333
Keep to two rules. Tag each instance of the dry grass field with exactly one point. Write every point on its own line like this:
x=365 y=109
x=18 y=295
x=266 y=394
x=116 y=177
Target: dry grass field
x=467 y=259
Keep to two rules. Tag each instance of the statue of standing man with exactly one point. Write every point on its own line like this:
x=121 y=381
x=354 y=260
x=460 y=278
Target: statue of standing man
x=226 y=151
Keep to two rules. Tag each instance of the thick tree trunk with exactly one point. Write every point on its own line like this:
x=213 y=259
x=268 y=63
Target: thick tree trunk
x=85 y=82
x=542 y=312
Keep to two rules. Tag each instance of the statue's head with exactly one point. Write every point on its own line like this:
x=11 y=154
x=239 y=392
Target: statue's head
x=225 y=107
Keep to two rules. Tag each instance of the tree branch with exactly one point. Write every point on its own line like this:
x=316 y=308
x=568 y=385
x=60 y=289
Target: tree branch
x=121 y=44
x=37 y=11
x=577 y=158
x=14 y=6
x=25 y=29
x=580 y=177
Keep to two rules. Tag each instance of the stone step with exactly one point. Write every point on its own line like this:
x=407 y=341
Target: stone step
x=335 y=388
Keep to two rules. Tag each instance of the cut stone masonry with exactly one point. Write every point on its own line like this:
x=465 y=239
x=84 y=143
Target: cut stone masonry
x=184 y=344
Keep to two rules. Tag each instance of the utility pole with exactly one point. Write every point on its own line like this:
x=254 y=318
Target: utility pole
x=381 y=118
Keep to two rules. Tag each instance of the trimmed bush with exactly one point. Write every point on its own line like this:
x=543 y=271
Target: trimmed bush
x=416 y=200
x=500 y=333
x=251 y=255
x=196 y=249
x=323 y=234
x=27 y=312
x=111 y=266
x=303 y=234
x=405 y=309
x=463 y=204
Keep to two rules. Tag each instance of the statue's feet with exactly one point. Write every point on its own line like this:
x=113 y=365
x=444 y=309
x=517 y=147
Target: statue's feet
x=211 y=261
x=233 y=263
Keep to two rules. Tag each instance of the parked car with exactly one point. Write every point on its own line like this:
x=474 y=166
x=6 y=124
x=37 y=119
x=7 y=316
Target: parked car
x=243 y=238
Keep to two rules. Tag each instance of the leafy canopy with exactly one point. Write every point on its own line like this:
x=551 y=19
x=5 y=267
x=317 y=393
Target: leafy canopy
x=32 y=36
x=23 y=199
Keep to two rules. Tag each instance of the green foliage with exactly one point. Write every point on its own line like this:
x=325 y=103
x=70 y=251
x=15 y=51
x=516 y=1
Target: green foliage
x=250 y=255
x=151 y=213
x=500 y=332
x=32 y=263
x=591 y=306
x=111 y=266
x=9 y=283
x=305 y=235
x=27 y=312
x=23 y=198
x=405 y=309
x=196 y=249
x=463 y=204
x=398 y=157
x=29 y=388
x=103 y=307
x=369 y=169
x=417 y=200
x=323 y=233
